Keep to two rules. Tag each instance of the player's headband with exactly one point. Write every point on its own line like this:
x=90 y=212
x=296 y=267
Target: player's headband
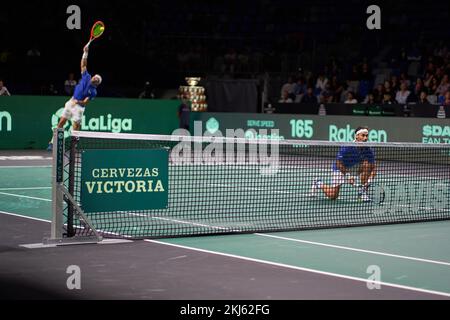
x=361 y=131
x=98 y=77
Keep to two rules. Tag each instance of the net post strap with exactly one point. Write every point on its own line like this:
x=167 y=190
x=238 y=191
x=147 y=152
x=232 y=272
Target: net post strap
x=56 y=232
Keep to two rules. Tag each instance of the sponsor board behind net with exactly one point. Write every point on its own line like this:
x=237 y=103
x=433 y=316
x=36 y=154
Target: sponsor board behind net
x=101 y=123
x=118 y=180
x=435 y=134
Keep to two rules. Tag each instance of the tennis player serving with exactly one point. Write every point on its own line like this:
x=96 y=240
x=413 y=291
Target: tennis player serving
x=85 y=91
x=348 y=158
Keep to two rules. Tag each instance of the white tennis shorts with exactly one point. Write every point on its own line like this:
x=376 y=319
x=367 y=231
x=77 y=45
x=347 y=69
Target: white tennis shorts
x=337 y=179
x=73 y=111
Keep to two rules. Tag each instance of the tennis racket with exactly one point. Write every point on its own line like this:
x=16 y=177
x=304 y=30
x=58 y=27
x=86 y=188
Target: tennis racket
x=96 y=31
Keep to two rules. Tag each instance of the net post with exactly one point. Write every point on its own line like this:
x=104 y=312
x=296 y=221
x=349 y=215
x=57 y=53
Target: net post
x=57 y=180
x=60 y=195
x=71 y=186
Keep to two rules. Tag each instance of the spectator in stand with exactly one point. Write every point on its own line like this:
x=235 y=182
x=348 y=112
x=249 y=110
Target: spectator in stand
x=402 y=94
x=395 y=85
x=433 y=85
x=299 y=89
x=289 y=88
x=387 y=88
x=69 y=84
x=309 y=97
x=49 y=90
x=427 y=79
x=337 y=89
x=378 y=93
x=3 y=90
x=327 y=95
x=370 y=99
x=430 y=85
x=440 y=99
x=353 y=80
x=423 y=98
x=439 y=74
x=347 y=89
x=388 y=99
x=404 y=79
x=321 y=82
x=285 y=98
x=444 y=86
x=350 y=98
x=447 y=99
x=148 y=92
x=418 y=87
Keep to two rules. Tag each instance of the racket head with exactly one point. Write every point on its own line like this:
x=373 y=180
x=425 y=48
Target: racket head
x=97 y=30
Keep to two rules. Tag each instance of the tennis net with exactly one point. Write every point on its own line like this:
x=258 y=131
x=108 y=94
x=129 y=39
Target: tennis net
x=230 y=185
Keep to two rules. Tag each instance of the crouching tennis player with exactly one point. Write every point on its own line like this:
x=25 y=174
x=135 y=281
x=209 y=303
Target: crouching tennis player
x=85 y=91
x=350 y=157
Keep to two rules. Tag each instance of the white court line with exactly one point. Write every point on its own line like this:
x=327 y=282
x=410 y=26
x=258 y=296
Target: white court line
x=388 y=284
x=182 y=222
x=21 y=196
x=355 y=249
x=315 y=243
x=15 y=167
x=277 y=264
x=30 y=188
x=49 y=221
x=24 y=158
x=22 y=216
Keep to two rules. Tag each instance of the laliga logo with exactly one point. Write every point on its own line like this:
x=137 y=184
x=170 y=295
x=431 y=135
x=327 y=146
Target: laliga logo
x=55 y=120
x=101 y=123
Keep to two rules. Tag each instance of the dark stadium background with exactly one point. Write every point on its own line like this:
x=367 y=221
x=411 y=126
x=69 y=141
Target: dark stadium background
x=144 y=38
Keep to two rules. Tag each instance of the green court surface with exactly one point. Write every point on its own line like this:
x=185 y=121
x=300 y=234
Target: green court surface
x=205 y=199
x=26 y=191
x=415 y=256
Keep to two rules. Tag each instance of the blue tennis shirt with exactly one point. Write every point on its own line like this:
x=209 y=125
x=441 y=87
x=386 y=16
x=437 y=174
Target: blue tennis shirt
x=85 y=88
x=351 y=156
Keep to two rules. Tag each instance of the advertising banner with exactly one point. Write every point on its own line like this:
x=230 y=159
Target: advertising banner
x=327 y=128
x=27 y=122
x=124 y=180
